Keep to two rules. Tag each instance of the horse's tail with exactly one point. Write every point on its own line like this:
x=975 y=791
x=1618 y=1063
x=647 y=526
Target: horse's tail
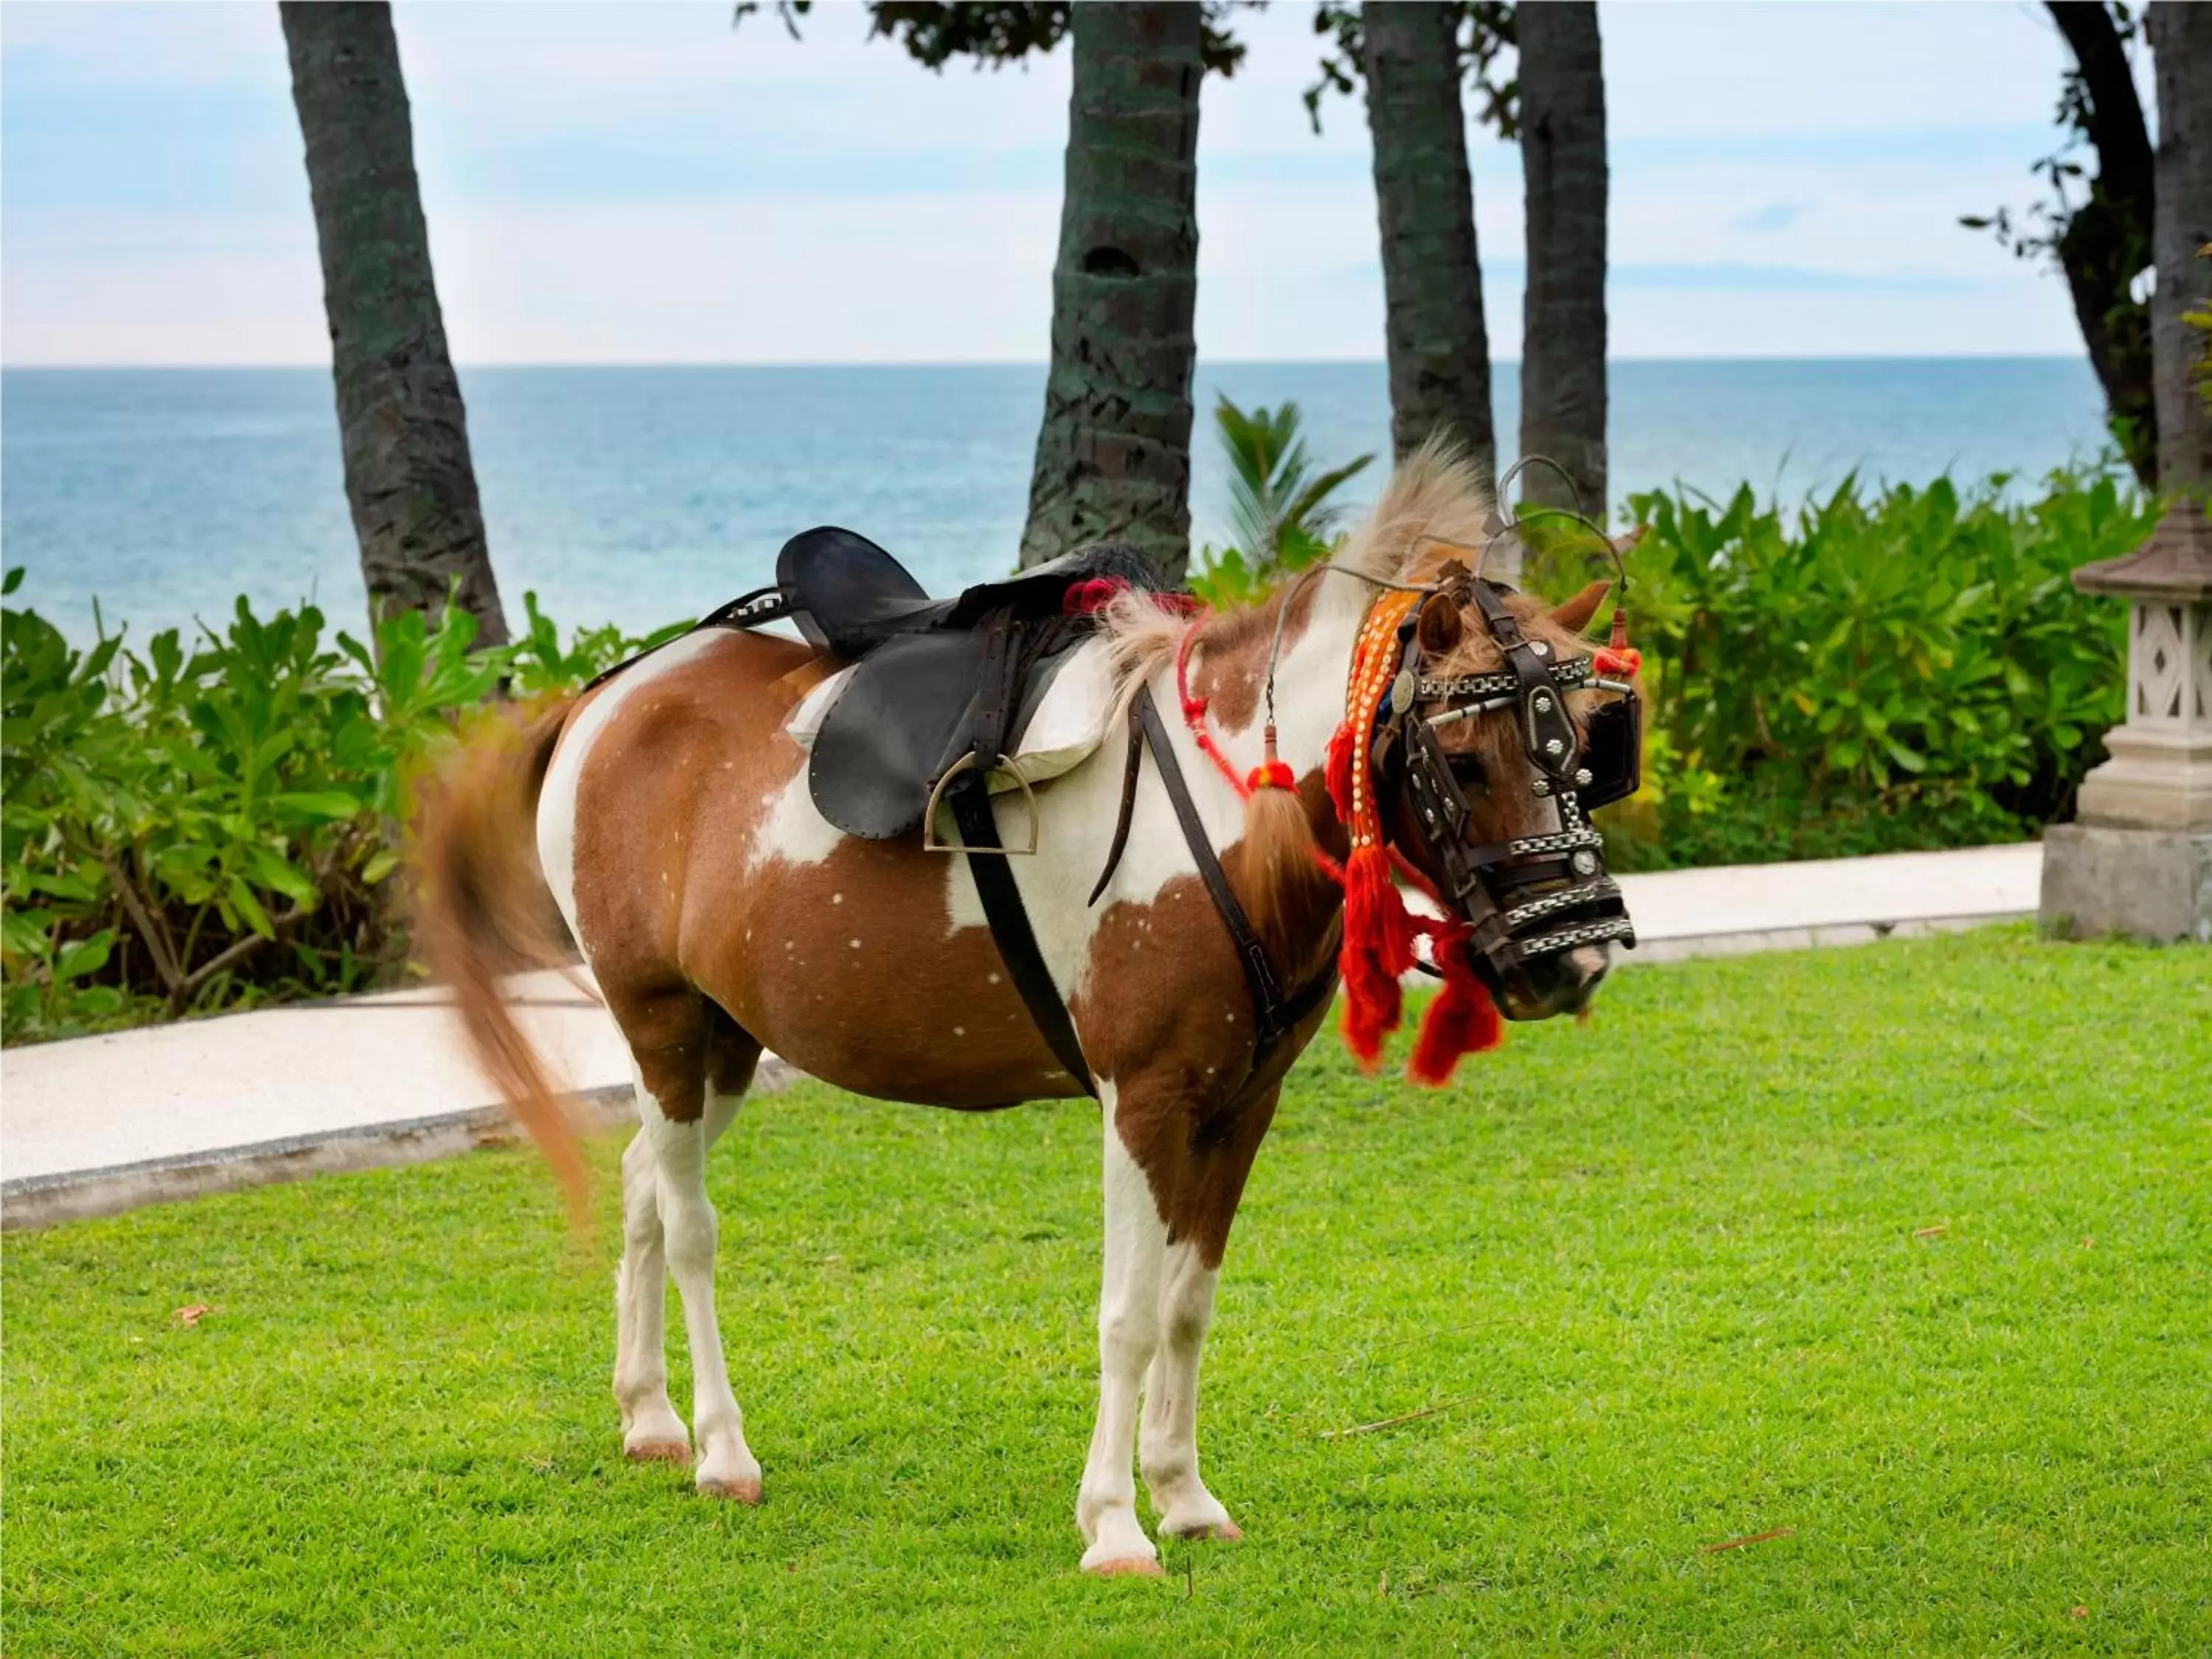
x=482 y=910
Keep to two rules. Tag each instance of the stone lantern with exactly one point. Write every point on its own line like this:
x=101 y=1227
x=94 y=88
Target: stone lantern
x=2137 y=859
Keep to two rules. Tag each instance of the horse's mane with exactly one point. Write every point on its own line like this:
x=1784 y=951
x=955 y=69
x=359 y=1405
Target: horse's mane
x=1437 y=495
x=1435 y=503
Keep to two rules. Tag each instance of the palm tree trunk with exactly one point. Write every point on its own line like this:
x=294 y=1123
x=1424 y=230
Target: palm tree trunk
x=1562 y=388
x=2106 y=241
x=1439 y=350
x=2181 y=44
x=408 y=476
x=1113 y=457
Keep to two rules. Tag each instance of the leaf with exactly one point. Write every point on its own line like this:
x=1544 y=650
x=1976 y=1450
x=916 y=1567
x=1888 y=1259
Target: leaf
x=249 y=907
x=380 y=864
x=280 y=875
x=326 y=804
x=191 y=1313
x=84 y=955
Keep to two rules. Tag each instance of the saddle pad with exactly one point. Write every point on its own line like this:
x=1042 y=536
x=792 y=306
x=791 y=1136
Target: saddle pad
x=1068 y=726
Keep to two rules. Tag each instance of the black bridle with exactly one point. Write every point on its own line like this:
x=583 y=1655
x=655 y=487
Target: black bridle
x=1531 y=898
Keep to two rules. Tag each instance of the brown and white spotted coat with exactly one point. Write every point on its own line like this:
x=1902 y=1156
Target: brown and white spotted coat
x=720 y=914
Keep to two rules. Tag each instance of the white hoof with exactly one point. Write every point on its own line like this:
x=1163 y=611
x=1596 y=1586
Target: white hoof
x=1118 y=1547
x=656 y=1435
x=1123 y=1566
x=729 y=1473
x=743 y=1489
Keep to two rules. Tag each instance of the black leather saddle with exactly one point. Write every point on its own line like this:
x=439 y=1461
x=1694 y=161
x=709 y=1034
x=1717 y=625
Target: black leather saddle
x=938 y=687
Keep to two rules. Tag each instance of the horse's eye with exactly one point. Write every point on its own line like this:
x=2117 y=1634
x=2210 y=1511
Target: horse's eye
x=1467 y=768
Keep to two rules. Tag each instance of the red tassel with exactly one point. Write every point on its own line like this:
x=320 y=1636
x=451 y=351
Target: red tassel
x=1378 y=947
x=1463 y=1020
x=1341 y=746
x=1272 y=773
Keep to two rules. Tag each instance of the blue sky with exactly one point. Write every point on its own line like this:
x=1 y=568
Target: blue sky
x=641 y=183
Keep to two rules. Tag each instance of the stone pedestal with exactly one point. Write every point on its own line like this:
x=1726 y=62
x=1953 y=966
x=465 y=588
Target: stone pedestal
x=2143 y=883
x=2138 y=858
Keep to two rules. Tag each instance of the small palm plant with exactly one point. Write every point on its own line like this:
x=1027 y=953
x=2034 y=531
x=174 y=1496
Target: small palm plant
x=1278 y=506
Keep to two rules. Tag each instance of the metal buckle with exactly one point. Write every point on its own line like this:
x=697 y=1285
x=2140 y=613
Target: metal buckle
x=929 y=840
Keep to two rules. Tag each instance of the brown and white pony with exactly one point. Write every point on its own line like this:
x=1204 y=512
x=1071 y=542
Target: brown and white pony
x=669 y=814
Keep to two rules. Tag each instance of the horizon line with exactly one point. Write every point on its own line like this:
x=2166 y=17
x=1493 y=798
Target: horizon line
x=1034 y=362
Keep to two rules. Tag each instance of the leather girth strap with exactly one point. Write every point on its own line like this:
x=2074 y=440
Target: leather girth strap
x=970 y=799
x=1275 y=1015
x=1010 y=928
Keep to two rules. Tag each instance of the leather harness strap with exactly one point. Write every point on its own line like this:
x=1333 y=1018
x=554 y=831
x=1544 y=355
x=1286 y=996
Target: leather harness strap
x=1130 y=767
x=1259 y=974
x=995 y=692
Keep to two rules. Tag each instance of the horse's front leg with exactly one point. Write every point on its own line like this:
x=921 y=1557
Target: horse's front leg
x=1205 y=1181
x=1128 y=1331
x=1168 y=1449
x=1166 y=1175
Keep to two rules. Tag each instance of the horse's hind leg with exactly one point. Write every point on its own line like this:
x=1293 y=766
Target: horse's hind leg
x=693 y=1065
x=651 y=1428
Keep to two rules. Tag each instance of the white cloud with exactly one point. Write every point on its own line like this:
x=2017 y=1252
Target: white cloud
x=753 y=279
x=1736 y=69
x=645 y=183
x=161 y=287
x=133 y=43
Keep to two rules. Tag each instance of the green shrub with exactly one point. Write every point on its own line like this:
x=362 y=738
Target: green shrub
x=197 y=827
x=1905 y=668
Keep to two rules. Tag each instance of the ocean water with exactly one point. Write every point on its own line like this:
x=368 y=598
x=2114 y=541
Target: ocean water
x=644 y=494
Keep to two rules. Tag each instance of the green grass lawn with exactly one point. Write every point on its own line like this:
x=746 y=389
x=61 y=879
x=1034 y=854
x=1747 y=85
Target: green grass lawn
x=1906 y=1250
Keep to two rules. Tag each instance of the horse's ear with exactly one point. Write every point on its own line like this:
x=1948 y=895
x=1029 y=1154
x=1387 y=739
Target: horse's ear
x=1575 y=614
x=1439 y=630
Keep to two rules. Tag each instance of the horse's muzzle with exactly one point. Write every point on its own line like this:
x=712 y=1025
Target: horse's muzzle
x=1562 y=984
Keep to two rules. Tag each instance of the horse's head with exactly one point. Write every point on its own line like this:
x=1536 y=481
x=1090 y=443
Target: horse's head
x=1501 y=732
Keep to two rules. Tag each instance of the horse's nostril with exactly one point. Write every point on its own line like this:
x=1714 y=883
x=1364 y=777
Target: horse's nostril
x=1588 y=965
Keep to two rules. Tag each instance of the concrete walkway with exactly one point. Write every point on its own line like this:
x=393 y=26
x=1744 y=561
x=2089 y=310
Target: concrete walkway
x=103 y=1124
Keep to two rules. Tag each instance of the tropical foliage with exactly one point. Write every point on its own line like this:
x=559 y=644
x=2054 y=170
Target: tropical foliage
x=1906 y=667
x=1280 y=509
x=210 y=822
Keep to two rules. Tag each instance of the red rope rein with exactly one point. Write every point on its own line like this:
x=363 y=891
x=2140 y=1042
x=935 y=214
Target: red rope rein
x=1193 y=715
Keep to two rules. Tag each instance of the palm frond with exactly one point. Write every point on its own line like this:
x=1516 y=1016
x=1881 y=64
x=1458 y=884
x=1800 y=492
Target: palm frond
x=1313 y=511
x=1277 y=506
